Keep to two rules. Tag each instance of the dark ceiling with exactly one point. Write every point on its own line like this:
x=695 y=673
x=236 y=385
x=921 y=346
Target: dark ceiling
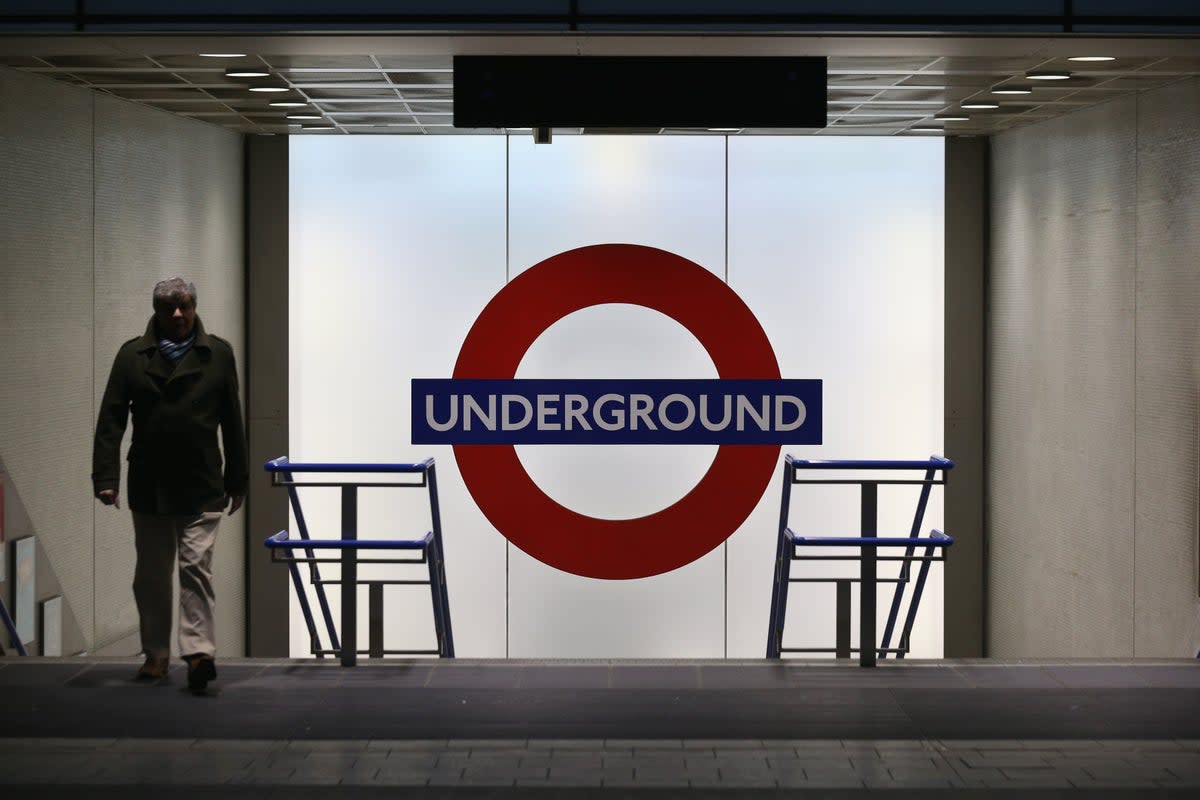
x=905 y=72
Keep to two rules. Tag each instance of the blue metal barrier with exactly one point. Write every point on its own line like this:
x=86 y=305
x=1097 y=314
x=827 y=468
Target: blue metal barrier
x=791 y=547
x=428 y=545
x=13 y=636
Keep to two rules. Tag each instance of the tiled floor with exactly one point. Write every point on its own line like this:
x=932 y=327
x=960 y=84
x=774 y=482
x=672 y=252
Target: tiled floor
x=575 y=729
x=629 y=764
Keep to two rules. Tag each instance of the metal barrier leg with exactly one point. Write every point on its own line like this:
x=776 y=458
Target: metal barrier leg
x=783 y=564
x=314 y=572
x=922 y=574
x=434 y=557
x=866 y=611
x=375 y=619
x=448 y=647
x=349 y=578
x=905 y=567
x=437 y=579
x=843 y=619
x=17 y=644
x=314 y=639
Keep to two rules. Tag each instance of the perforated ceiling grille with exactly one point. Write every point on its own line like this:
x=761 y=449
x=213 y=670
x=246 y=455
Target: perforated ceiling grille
x=904 y=89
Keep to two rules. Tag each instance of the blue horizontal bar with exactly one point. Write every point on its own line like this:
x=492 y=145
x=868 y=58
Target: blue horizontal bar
x=936 y=462
x=936 y=539
x=282 y=464
x=280 y=540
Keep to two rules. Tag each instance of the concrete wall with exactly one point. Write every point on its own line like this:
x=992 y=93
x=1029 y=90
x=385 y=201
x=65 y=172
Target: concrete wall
x=1094 y=367
x=99 y=199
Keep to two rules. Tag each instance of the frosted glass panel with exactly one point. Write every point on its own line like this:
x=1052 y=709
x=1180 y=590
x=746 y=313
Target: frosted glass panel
x=397 y=243
x=836 y=244
x=659 y=191
x=665 y=192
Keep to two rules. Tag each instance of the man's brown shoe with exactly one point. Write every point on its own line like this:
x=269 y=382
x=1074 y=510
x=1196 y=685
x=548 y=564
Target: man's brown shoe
x=154 y=669
x=201 y=670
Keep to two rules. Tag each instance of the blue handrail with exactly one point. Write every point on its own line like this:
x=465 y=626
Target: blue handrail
x=282 y=464
x=934 y=462
x=283 y=471
x=937 y=536
x=867 y=542
x=281 y=540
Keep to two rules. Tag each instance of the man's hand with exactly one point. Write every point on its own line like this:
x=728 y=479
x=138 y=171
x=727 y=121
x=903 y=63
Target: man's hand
x=109 y=497
x=235 y=502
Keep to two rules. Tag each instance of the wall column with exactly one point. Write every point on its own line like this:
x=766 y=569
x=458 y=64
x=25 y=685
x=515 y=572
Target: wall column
x=965 y=358
x=266 y=387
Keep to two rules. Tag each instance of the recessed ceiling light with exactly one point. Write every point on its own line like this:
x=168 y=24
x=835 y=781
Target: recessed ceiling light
x=951 y=117
x=246 y=72
x=981 y=104
x=725 y=130
x=1012 y=88
x=268 y=88
x=287 y=104
x=304 y=115
x=1091 y=58
x=223 y=55
x=1048 y=75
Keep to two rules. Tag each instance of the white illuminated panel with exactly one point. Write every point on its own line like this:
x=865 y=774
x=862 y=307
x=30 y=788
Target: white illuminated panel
x=836 y=244
x=396 y=244
x=665 y=192
x=399 y=242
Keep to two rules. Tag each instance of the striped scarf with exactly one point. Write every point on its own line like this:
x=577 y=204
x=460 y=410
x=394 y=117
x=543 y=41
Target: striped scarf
x=173 y=351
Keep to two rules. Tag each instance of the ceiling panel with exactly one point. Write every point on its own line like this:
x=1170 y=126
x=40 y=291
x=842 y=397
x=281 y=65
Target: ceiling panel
x=325 y=93
x=323 y=61
x=882 y=86
x=301 y=78
x=421 y=78
x=396 y=106
x=426 y=106
x=123 y=78
x=99 y=61
x=139 y=94
x=21 y=62
x=192 y=61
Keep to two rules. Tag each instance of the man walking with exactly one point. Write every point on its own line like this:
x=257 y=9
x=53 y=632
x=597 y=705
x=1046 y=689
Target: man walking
x=180 y=383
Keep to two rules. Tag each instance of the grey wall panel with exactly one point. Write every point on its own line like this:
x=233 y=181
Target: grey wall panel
x=168 y=202
x=965 y=270
x=46 y=334
x=1167 y=614
x=1061 y=402
x=267 y=386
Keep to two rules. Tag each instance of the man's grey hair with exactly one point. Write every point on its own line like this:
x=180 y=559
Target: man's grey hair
x=171 y=288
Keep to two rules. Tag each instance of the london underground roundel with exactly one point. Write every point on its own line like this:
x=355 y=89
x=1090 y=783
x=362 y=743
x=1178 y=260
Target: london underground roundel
x=748 y=411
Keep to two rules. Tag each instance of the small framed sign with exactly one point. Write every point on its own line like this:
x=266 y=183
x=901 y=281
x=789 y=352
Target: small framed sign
x=52 y=626
x=3 y=549
x=25 y=591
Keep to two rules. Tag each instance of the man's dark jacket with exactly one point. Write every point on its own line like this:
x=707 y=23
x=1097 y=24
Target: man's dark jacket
x=174 y=463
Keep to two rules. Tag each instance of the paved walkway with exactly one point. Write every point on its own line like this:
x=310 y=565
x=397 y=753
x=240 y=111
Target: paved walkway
x=632 y=764
x=299 y=729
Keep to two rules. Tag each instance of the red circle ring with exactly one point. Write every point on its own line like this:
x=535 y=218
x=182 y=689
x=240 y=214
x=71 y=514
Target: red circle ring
x=697 y=522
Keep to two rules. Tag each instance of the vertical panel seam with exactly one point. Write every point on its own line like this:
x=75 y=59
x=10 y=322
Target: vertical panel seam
x=90 y=641
x=507 y=270
x=985 y=255
x=1137 y=105
x=247 y=365
x=725 y=544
